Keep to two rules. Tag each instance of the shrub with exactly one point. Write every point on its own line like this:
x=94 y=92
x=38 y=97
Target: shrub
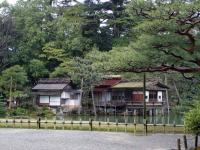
x=17 y=112
x=192 y=119
x=45 y=112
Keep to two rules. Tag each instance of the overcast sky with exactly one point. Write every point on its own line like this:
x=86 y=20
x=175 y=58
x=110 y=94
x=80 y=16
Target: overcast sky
x=10 y=1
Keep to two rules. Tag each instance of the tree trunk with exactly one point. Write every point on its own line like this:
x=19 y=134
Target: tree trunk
x=177 y=92
x=93 y=101
x=10 y=98
x=167 y=95
x=81 y=95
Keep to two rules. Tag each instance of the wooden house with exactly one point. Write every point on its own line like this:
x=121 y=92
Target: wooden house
x=57 y=93
x=127 y=96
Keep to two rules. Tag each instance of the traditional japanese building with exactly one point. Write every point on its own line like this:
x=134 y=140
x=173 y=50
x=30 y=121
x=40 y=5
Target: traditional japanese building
x=115 y=94
x=57 y=93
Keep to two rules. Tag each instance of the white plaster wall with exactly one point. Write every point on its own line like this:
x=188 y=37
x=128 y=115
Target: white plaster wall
x=147 y=96
x=159 y=96
x=65 y=95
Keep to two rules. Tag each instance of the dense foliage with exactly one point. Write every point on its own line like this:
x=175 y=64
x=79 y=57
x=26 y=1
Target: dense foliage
x=192 y=119
x=85 y=40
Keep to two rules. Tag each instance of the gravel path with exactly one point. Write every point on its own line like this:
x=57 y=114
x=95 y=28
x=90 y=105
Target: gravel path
x=30 y=139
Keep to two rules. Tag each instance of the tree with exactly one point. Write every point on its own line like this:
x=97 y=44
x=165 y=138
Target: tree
x=192 y=119
x=2 y=106
x=166 y=37
x=12 y=83
x=37 y=69
x=7 y=35
x=86 y=75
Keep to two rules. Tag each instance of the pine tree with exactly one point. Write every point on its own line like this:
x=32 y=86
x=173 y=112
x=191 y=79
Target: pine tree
x=2 y=106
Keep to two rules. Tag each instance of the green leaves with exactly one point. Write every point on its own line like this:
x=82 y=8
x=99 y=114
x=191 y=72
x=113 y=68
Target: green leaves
x=37 y=69
x=15 y=79
x=192 y=119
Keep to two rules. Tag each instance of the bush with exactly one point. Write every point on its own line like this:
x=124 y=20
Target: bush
x=192 y=119
x=45 y=112
x=17 y=112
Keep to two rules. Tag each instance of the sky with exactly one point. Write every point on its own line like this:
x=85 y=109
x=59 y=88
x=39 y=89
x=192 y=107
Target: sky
x=9 y=1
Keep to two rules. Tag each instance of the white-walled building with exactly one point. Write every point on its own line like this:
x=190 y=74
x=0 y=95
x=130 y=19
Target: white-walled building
x=57 y=93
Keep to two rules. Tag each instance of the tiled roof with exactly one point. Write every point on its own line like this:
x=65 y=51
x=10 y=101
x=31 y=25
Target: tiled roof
x=49 y=86
x=129 y=85
x=149 y=85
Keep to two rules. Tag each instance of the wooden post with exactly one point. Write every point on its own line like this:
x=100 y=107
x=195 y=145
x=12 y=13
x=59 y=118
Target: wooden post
x=29 y=123
x=145 y=127
x=80 y=124
x=164 y=125
x=179 y=144
x=185 y=142
x=72 y=124
x=126 y=124
x=196 y=141
x=38 y=122
x=63 y=123
x=174 y=126
x=108 y=124
x=45 y=122
x=21 y=123
x=14 y=123
x=90 y=123
x=154 y=128
x=99 y=125
x=6 y=122
x=116 y=123
x=54 y=126
x=134 y=127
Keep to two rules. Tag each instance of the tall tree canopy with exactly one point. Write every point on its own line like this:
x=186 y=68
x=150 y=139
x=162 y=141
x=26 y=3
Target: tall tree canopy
x=166 y=36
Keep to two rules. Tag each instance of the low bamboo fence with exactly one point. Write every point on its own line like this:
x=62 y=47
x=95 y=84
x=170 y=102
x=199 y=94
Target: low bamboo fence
x=91 y=125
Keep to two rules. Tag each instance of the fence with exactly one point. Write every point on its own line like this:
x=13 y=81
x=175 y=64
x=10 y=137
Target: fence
x=92 y=125
x=184 y=143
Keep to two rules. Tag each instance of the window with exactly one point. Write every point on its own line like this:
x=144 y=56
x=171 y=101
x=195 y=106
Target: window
x=44 y=99
x=153 y=95
x=54 y=100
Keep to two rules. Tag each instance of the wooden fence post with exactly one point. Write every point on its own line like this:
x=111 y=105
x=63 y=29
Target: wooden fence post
x=90 y=123
x=21 y=123
x=126 y=124
x=100 y=125
x=179 y=144
x=164 y=127
x=185 y=142
x=116 y=123
x=135 y=127
x=196 y=141
x=29 y=123
x=108 y=124
x=145 y=126
x=45 y=122
x=72 y=124
x=174 y=126
x=14 y=123
x=80 y=124
x=54 y=124
x=38 y=123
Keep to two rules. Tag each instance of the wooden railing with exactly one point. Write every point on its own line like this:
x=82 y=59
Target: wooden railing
x=92 y=125
x=130 y=103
